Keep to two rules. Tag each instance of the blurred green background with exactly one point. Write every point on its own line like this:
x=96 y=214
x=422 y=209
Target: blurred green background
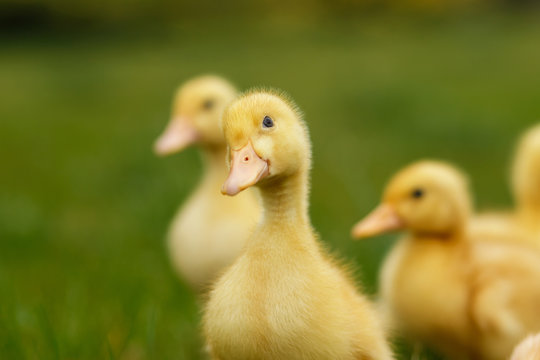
x=86 y=88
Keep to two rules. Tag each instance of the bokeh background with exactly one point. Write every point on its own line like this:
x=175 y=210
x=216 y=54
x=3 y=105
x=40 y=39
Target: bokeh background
x=86 y=86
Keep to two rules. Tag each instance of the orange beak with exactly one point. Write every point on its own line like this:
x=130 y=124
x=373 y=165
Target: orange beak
x=381 y=220
x=247 y=168
x=178 y=135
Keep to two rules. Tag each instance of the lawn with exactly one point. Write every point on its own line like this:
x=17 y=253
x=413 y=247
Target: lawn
x=84 y=204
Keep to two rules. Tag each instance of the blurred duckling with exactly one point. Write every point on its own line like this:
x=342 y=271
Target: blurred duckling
x=209 y=230
x=284 y=297
x=528 y=349
x=468 y=299
x=524 y=221
x=526 y=180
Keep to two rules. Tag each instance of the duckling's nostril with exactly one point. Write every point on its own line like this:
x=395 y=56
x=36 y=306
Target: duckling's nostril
x=246 y=158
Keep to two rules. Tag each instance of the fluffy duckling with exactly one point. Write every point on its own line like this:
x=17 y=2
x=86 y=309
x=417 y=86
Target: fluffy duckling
x=284 y=297
x=524 y=221
x=528 y=349
x=526 y=179
x=209 y=230
x=469 y=299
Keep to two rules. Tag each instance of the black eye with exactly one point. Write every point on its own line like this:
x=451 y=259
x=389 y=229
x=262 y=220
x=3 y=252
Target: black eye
x=417 y=193
x=268 y=122
x=208 y=104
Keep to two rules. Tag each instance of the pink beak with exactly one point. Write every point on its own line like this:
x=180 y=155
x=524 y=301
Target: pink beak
x=247 y=168
x=381 y=220
x=178 y=135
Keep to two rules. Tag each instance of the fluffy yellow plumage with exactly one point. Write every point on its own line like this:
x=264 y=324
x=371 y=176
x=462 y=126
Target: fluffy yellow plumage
x=528 y=349
x=283 y=298
x=470 y=299
x=522 y=223
x=526 y=179
x=209 y=230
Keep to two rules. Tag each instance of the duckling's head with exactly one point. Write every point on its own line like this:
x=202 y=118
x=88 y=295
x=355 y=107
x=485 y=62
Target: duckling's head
x=196 y=115
x=426 y=198
x=526 y=172
x=267 y=140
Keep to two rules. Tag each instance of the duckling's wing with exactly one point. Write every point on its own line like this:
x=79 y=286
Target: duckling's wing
x=505 y=296
x=491 y=312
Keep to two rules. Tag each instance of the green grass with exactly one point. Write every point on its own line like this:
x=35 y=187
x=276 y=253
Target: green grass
x=84 y=204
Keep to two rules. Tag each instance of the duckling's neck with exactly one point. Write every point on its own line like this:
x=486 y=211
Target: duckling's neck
x=285 y=200
x=458 y=234
x=214 y=163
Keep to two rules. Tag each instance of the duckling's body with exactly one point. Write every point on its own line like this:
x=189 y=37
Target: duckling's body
x=506 y=226
x=522 y=224
x=505 y=288
x=284 y=297
x=415 y=301
x=489 y=300
x=209 y=230
x=442 y=285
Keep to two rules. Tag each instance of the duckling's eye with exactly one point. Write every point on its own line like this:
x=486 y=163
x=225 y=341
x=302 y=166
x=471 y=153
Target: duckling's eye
x=268 y=122
x=208 y=104
x=417 y=193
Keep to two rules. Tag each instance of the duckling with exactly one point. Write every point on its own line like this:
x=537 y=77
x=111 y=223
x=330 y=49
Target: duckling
x=469 y=299
x=526 y=180
x=528 y=349
x=284 y=297
x=209 y=230
x=524 y=221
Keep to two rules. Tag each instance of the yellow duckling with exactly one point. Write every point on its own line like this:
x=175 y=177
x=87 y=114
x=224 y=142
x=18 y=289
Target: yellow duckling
x=526 y=180
x=469 y=299
x=209 y=230
x=284 y=297
x=528 y=349
x=524 y=222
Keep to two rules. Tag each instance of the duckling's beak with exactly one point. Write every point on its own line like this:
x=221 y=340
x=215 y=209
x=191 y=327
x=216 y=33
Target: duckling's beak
x=381 y=220
x=179 y=134
x=247 y=168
